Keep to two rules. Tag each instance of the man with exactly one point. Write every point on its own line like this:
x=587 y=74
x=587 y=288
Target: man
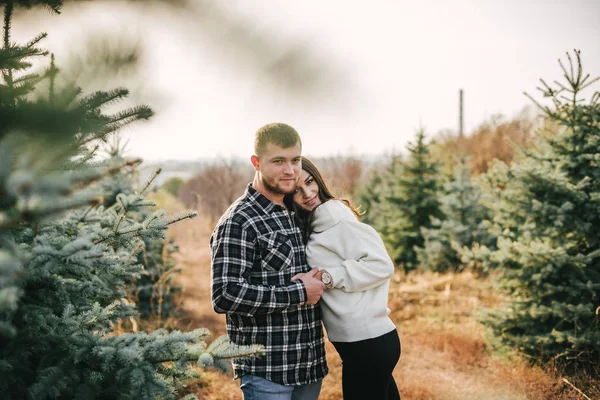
x=256 y=249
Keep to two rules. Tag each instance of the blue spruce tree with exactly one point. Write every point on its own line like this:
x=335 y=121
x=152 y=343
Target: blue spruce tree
x=403 y=201
x=154 y=292
x=66 y=257
x=465 y=224
x=547 y=211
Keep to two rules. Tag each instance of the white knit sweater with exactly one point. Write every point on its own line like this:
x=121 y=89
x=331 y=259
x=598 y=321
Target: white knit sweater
x=355 y=256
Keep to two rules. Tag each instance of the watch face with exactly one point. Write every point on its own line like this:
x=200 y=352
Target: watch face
x=326 y=278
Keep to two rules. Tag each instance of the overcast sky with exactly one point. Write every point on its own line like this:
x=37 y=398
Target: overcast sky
x=381 y=69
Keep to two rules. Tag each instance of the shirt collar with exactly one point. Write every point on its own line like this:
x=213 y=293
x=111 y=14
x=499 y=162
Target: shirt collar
x=261 y=201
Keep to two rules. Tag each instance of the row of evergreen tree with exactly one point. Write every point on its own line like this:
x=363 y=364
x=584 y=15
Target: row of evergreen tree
x=76 y=239
x=534 y=221
x=426 y=219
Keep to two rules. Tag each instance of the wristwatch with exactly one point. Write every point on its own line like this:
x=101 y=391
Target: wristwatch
x=326 y=279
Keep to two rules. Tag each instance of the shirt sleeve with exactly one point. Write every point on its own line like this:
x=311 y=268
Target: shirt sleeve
x=366 y=262
x=232 y=251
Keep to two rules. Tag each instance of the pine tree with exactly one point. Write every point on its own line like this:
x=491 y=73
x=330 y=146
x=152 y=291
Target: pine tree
x=547 y=208
x=465 y=223
x=376 y=189
x=67 y=256
x=155 y=290
x=409 y=194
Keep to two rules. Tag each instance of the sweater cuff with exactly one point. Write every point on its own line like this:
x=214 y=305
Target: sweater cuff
x=337 y=275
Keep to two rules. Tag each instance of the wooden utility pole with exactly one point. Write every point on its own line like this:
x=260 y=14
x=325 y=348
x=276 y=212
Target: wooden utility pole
x=460 y=114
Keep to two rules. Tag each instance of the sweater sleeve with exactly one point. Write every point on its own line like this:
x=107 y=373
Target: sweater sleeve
x=366 y=263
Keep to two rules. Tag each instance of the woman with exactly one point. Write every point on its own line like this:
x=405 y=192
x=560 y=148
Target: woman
x=356 y=270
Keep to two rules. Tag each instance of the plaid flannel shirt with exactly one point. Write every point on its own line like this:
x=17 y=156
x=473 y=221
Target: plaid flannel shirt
x=256 y=249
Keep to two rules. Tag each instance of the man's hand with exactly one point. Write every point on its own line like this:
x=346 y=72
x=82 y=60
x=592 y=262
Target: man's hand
x=314 y=287
x=318 y=275
x=301 y=274
x=298 y=276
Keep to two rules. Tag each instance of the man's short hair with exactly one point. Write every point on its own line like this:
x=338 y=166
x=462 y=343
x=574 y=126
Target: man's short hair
x=276 y=133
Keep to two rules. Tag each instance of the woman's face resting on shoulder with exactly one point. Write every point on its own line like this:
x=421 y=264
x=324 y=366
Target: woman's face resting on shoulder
x=306 y=194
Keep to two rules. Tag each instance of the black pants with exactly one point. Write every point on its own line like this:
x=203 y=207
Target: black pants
x=367 y=367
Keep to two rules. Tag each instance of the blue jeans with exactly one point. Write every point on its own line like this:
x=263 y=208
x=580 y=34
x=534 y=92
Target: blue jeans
x=257 y=388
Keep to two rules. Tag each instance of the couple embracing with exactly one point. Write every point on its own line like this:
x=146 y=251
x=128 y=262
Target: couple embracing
x=286 y=256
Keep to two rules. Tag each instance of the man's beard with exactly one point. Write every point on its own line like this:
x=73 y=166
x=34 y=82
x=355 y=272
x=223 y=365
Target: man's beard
x=274 y=188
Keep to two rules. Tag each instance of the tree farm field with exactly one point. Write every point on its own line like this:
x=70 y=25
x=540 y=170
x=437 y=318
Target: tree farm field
x=445 y=355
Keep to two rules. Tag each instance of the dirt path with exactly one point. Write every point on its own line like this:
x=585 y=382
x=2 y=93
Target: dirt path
x=444 y=355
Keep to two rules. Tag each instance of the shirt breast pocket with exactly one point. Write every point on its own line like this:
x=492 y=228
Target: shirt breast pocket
x=277 y=252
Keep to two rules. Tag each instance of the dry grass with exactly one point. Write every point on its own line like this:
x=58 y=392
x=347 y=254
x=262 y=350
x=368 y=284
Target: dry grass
x=444 y=354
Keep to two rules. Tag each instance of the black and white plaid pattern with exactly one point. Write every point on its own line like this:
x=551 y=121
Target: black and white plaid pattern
x=256 y=249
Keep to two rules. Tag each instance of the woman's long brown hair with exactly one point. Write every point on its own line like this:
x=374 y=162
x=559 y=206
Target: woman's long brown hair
x=303 y=217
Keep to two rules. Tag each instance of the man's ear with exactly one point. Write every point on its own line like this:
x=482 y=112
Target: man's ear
x=255 y=162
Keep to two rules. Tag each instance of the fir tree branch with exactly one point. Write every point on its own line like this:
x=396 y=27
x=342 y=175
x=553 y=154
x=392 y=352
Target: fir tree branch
x=88 y=180
x=565 y=73
x=51 y=73
x=560 y=85
x=565 y=98
x=126 y=117
x=121 y=217
x=33 y=215
x=181 y=216
x=36 y=40
x=28 y=78
x=585 y=78
x=84 y=139
x=158 y=171
x=13 y=57
x=590 y=83
x=8 y=9
x=101 y=98
x=89 y=156
x=541 y=107
x=579 y=67
x=18 y=91
x=82 y=218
